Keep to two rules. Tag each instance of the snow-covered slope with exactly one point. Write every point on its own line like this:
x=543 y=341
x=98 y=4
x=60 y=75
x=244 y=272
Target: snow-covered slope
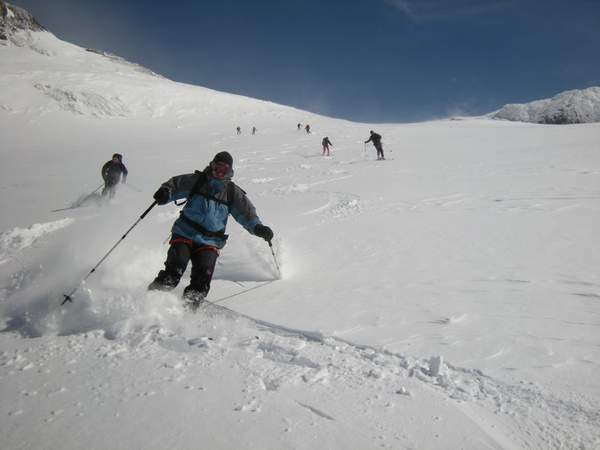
x=97 y=83
x=444 y=298
x=576 y=106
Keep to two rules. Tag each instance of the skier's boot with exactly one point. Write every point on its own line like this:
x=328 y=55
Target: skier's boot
x=164 y=281
x=193 y=296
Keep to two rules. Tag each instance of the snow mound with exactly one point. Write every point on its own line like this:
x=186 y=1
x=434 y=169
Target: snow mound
x=575 y=106
x=17 y=239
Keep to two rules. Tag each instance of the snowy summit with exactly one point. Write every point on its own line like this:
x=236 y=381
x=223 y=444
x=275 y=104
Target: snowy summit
x=14 y=20
x=446 y=296
x=575 y=106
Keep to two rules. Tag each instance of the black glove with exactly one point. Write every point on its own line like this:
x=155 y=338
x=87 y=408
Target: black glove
x=264 y=232
x=162 y=196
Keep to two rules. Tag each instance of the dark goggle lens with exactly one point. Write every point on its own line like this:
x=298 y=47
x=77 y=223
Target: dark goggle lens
x=220 y=169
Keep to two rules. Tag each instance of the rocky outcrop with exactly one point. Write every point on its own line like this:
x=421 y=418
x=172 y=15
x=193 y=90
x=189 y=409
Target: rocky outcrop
x=569 y=107
x=15 y=20
x=3 y=14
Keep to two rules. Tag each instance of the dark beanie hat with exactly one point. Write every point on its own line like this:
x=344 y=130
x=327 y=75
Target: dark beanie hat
x=224 y=157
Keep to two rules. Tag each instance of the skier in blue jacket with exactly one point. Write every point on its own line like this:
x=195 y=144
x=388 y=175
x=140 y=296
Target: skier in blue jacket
x=199 y=232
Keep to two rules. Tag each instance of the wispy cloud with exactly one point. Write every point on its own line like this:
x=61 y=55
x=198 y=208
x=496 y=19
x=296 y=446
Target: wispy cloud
x=425 y=10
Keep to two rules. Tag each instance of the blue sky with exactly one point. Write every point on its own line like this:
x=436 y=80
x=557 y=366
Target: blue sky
x=364 y=60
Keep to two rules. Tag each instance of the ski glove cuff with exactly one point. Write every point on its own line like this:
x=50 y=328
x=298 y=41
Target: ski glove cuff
x=162 y=196
x=264 y=232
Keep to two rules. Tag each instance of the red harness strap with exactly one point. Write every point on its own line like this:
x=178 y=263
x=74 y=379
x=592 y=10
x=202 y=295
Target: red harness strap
x=195 y=247
x=209 y=248
x=181 y=241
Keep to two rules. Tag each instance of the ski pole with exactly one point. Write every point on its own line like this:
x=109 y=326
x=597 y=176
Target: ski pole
x=90 y=194
x=80 y=202
x=68 y=297
x=95 y=190
x=275 y=259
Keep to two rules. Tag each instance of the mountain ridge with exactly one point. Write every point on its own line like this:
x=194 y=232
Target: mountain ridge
x=568 y=107
x=14 y=19
x=87 y=81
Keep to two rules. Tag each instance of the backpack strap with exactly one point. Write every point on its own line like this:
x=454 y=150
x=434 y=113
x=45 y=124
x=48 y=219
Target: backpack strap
x=231 y=193
x=200 y=182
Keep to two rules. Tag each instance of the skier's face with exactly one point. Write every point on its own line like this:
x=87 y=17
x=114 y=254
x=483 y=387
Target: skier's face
x=220 y=170
x=115 y=159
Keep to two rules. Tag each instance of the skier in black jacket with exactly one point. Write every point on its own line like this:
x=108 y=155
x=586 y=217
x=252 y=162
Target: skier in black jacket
x=376 y=139
x=199 y=232
x=326 y=143
x=113 y=171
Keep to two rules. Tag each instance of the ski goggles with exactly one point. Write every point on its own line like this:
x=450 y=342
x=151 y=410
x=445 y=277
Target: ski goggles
x=220 y=170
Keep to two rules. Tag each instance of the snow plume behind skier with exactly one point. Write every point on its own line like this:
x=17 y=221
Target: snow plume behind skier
x=199 y=232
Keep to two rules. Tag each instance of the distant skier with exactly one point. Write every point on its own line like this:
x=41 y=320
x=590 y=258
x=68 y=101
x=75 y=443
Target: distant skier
x=113 y=171
x=307 y=129
x=199 y=232
x=253 y=131
x=376 y=139
x=326 y=143
x=299 y=126
x=239 y=130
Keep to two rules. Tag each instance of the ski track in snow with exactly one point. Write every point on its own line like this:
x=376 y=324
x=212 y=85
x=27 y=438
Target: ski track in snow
x=340 y=205
x=464 y=202
x=328 y=358
x=274 y=358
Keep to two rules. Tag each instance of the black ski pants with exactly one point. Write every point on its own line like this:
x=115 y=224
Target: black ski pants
x=110 y=188
x=183 y=250
x=379 y=149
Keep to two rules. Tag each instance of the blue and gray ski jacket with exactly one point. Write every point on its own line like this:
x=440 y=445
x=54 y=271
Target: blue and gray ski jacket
x=209 y=203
